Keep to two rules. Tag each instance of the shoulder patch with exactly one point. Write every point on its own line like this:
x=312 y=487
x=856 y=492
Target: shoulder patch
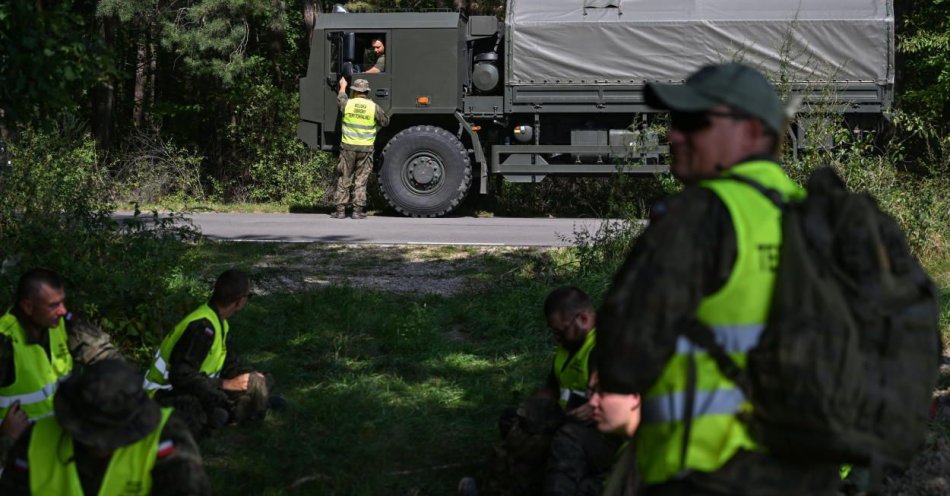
x=209 y=331
x=21 y=465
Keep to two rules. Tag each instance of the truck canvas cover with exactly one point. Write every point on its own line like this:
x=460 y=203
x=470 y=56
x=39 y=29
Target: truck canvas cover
x=633 y=41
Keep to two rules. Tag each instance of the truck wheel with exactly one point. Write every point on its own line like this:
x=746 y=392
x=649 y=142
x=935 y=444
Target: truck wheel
x=425 y=171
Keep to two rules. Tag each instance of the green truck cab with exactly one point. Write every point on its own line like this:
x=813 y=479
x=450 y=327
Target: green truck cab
x=557 y=87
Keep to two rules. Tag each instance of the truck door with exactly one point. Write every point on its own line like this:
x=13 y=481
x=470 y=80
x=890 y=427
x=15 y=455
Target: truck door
x=350 y=55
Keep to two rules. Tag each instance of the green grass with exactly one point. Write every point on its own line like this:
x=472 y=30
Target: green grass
x=390 y=393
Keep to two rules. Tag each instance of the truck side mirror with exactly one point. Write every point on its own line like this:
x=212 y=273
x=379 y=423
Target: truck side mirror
x=348 y=47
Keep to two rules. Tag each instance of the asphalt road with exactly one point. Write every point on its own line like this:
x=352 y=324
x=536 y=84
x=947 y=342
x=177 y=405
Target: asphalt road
x=320 y=228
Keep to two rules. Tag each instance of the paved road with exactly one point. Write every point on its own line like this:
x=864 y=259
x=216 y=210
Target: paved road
x=309 y=228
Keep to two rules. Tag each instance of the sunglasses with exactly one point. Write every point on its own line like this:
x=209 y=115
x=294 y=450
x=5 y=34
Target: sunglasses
x=691 y=122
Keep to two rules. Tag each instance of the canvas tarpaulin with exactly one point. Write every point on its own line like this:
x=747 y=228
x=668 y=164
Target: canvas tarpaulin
x=632 y=41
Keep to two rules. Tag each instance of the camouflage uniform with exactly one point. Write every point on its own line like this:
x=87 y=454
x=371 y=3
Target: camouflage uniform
x=179 y=473
x=197 y=397
x=687 y=253
x=579 y=460
x=87 y=344
x=178 y=468
x=517 y=464
x=543 y=452
x=356 y=163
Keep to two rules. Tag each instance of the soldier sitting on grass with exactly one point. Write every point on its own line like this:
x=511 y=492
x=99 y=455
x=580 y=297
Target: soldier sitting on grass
x=197 y=370
x=550 y=444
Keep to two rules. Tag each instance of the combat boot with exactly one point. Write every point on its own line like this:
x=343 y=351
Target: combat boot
x=340 y=212
x=358 y=213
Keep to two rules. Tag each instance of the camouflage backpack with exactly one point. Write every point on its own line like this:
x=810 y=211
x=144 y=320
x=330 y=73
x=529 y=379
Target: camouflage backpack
x=845 y=367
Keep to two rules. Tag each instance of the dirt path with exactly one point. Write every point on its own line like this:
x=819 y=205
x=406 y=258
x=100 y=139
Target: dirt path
x=414 y=269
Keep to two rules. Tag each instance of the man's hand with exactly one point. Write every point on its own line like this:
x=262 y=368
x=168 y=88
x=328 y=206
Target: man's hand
x=343 y=85
x=15 y=422
x=240 y=382
x=582 y=413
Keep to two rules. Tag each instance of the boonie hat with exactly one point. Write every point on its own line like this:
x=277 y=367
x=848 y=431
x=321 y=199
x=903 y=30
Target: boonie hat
x=361 y=85
x=737 y=85
x=105 y=406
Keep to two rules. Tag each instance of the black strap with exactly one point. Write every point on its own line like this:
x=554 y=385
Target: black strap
x=773 y=195
x=702 y=336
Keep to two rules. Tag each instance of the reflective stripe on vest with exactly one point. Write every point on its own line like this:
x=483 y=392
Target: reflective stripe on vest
x=736 y=314
x=359 y=122
x=732 y=338
x=672 y=407
x=36 y=376
x=157 y=375
x=53 y=471
x=571 y=371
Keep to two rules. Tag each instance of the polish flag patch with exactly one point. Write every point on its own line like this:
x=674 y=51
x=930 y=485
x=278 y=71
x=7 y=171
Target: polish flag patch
x=21 y=465
x=166 y=448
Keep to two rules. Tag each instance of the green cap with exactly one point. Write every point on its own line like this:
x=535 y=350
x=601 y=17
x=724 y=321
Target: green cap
x=737 y=85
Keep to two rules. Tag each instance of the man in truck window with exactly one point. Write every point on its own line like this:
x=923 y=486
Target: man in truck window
x=361 y=116
x=380 y=50
x=696 y=262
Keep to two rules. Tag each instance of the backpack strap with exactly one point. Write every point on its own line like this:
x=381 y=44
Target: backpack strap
x=702 y=336
x=773 y=195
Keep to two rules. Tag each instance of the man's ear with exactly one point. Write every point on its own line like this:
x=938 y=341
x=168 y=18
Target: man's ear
x=26 y=304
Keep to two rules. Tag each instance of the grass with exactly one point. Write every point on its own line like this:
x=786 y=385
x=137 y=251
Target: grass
x=391 y=393
x=386 y=389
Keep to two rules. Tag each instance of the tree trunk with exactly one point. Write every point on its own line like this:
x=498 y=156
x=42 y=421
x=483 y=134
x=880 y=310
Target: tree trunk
x=138 y=92
x=103 y=95
x=152 y=71
x=310 y=13
x=277 y=32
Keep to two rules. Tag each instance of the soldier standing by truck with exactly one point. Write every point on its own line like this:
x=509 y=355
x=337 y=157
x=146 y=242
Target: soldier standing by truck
x=360 y=118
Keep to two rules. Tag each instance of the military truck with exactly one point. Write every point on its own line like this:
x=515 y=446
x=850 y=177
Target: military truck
x=556 y=88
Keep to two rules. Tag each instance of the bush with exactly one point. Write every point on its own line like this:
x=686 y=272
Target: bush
x=133 y=278
x=281 y=168
x=155 y=169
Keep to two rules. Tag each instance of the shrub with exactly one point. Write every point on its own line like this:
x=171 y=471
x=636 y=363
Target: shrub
x=133 y=278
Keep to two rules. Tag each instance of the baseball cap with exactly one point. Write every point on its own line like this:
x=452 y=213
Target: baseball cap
x=737 y=85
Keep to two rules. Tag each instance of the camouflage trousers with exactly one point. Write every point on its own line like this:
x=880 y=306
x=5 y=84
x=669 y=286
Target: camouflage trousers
x=579 y=460
x=540 y=453
x=352 y=171
x=242 y=407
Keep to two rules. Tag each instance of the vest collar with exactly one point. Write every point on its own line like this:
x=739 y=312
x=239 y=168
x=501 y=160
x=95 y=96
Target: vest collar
x=40 y=338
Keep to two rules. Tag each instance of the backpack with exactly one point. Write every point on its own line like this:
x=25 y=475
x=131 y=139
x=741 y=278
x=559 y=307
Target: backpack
x=845 y=367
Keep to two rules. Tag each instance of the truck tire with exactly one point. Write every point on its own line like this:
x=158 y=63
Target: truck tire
x=425 y=171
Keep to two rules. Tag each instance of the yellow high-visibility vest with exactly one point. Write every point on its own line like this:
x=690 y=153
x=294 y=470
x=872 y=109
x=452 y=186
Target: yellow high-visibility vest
x=359 y=122
x=736 y=314
x=157 y=376
x=53 y=471
x=36 y=375
x=572 y=375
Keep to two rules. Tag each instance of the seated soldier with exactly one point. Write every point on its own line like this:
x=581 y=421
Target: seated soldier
x=617 y=414
x=108 y=437
x=40 y=343
x=550 y=444
x=197 y=370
